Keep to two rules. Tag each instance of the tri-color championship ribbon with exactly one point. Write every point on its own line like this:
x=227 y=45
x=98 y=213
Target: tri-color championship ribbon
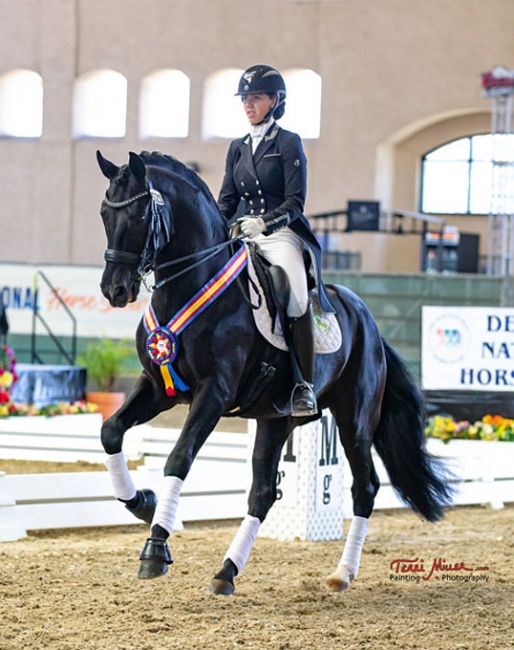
x=161 y=341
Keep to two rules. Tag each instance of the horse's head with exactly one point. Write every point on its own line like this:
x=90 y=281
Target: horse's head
x=141 y=234
x=137 y=225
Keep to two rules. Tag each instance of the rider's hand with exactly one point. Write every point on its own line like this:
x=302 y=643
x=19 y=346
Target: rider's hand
x=252 y=226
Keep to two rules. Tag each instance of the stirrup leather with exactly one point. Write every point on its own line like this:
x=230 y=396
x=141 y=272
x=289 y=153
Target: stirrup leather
x=303 y=400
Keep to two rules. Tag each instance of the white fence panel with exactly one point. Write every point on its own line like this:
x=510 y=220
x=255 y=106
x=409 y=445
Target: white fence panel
x=216 y=487
x=483 y=474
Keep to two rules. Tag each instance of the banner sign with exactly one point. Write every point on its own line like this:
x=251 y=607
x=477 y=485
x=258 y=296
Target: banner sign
x=467 y=348
x=329 y=478
x=23 y=287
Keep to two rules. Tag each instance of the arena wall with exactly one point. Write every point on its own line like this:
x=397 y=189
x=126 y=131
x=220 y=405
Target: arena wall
x=399 y=77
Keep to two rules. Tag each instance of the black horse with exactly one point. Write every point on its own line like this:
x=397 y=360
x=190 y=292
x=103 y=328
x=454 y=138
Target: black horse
x=198 y=345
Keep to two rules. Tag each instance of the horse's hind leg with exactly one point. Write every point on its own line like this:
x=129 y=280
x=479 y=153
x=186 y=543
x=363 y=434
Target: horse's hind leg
x=142 y=405
x=270 y=438
x=356 y=427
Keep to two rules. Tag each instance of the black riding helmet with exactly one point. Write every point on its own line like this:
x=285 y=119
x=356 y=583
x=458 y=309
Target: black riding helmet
x=264 y=79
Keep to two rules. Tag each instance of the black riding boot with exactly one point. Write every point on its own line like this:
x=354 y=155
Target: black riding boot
x=301 y=342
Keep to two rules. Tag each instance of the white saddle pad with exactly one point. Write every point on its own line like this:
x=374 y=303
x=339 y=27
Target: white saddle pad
x=327 y=333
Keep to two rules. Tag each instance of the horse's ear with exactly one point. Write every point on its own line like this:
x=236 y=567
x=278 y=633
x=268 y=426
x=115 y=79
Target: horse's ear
x=137 y=166
x=109 y=169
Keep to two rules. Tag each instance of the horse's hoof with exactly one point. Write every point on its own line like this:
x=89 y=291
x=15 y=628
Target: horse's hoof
x=145 y=509
x=221 y=587
x=339 y=580
x=155 y=558
x=149 y=569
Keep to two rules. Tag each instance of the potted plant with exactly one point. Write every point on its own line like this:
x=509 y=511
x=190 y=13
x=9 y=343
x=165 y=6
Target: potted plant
x=104 y=360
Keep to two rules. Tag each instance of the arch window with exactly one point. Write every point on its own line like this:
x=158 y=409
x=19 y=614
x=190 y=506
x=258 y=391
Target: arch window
x=223 y=116
x=21 y=104
x=100 y=105
x=303 y=104
x=164 y=105
x=457 y=177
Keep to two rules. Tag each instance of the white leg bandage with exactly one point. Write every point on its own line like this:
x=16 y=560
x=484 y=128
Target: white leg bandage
x=167 y=503
x=353 y=546
x=122 y=483
x=242 y=543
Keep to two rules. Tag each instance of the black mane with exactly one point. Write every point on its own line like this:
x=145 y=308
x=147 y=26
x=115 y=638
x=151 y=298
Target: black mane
x=170 y=163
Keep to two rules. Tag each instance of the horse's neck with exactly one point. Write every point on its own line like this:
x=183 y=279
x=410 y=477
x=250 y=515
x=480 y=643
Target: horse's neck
x=193 y=273
x=197 y=227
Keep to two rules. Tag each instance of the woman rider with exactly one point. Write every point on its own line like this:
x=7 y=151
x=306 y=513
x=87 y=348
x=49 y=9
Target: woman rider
x=266 y=170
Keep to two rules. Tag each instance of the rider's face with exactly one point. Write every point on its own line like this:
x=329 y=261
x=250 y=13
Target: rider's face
x=257 y=106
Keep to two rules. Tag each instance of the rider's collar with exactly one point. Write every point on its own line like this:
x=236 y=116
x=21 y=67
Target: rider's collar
x=260 y=130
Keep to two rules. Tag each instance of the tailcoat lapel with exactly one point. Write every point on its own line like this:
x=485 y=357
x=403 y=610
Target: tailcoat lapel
x=247 y=157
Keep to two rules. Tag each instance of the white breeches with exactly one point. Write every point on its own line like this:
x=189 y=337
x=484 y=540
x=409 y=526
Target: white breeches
x=284 y=248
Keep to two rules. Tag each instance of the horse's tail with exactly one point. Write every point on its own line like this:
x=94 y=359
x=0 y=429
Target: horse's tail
x=400 y=442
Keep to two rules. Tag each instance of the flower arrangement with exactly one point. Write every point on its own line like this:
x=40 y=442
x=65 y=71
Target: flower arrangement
x=7 y=378
x=61 y=408
x=491 y=427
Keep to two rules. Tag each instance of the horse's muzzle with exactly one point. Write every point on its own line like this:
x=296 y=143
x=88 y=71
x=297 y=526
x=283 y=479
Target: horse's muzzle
x=119 y=294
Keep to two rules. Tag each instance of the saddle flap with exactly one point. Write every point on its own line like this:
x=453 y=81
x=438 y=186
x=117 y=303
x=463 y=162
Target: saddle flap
x=273 y=282
x=327 y=332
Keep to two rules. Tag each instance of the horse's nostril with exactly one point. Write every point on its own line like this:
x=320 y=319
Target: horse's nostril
x=118 y=296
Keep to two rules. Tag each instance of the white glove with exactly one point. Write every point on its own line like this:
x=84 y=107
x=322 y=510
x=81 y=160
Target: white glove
x=252 y=226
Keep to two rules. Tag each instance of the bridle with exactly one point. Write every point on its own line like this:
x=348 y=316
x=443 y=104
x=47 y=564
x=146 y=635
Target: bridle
x=158 y=235
x=146 y=258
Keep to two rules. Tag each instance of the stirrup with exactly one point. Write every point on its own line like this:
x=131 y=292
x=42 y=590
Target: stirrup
x=303 y=400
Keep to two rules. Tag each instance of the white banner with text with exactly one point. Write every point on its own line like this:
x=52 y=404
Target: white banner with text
x=22 y=286
x=467 y=348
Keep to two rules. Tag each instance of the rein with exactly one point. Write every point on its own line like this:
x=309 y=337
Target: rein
x=212 y=250
x=145 y=265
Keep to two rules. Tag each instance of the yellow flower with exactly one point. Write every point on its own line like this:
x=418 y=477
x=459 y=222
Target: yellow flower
x=490 y=427
x=6 y=379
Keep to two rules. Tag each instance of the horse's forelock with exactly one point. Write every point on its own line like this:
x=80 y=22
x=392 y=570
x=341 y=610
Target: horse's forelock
x=122 y=178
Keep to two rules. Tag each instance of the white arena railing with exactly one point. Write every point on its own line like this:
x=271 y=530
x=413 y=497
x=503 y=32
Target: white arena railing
x=216 y=487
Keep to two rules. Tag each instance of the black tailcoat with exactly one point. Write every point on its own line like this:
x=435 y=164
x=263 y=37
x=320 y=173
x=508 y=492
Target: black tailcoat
x=271 y=183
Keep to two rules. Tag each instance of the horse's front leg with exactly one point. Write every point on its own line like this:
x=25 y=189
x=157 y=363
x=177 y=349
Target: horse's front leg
x=269 y=441
x=205 y=412
x=144 y=402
